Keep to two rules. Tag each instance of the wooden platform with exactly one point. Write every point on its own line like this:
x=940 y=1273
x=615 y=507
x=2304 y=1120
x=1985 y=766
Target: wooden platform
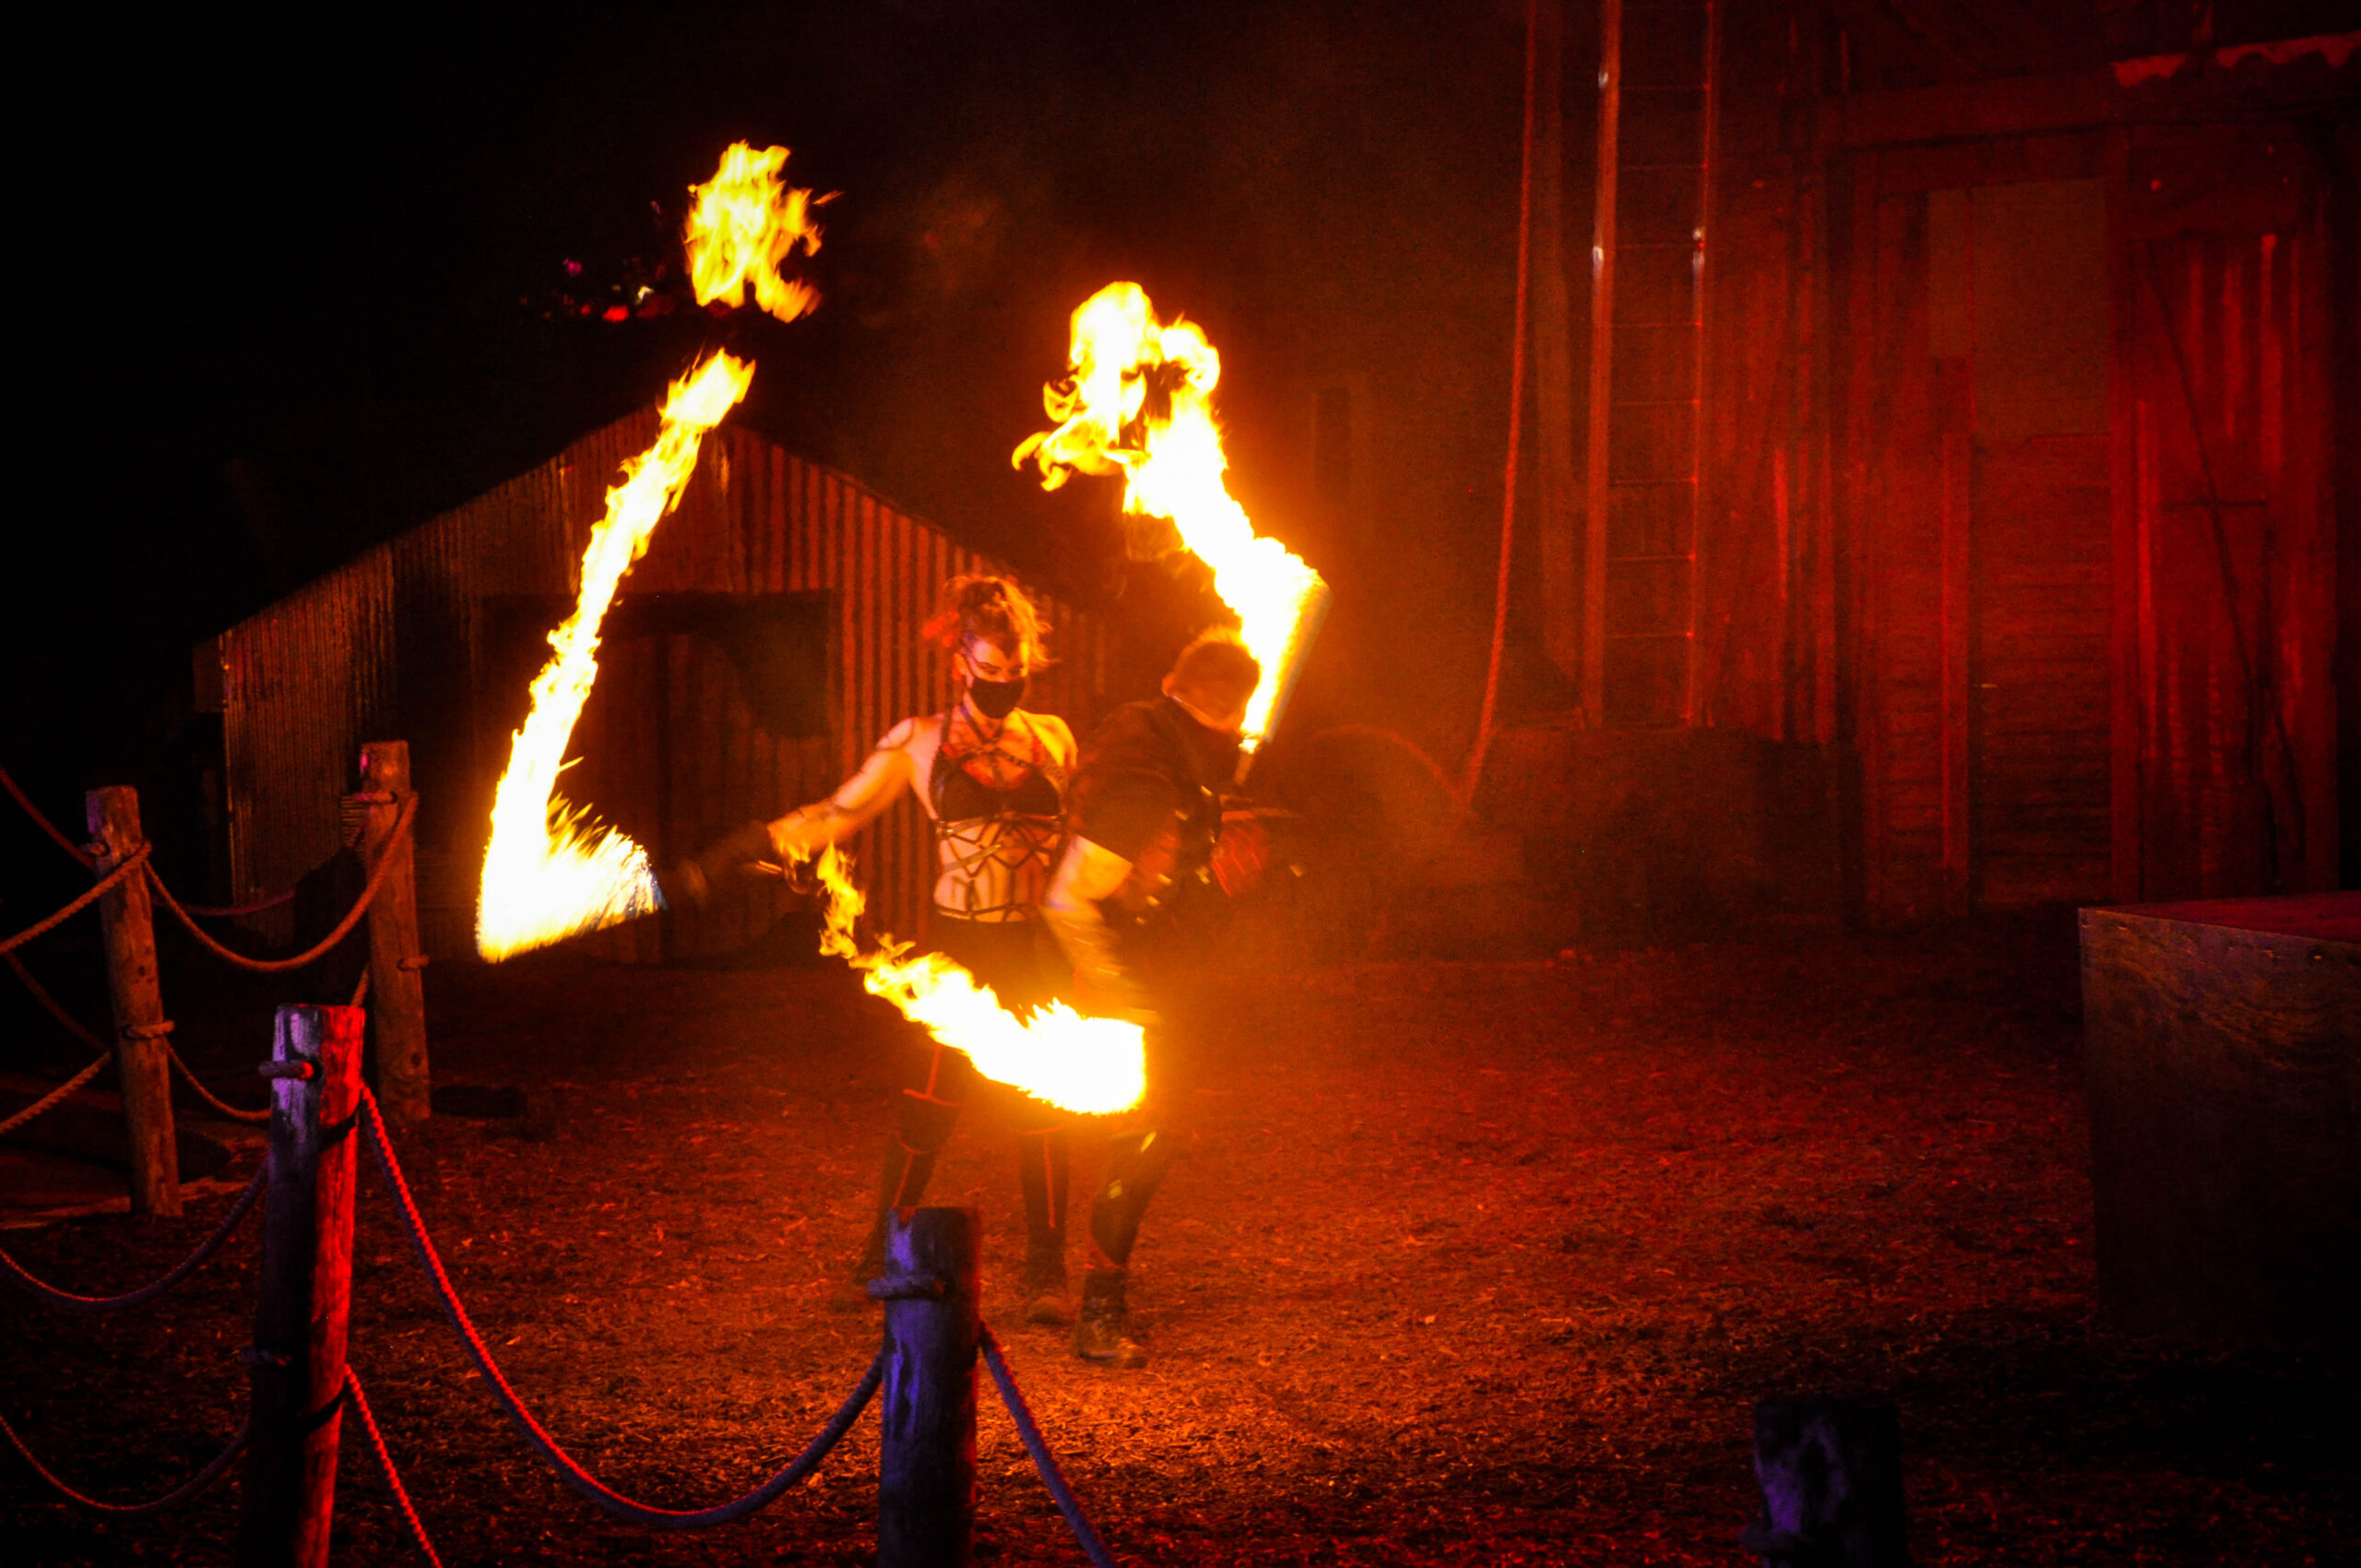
x=2222 y=1044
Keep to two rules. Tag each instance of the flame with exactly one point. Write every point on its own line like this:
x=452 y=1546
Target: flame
x=1091 y=1065
x=743 y=225
x=549 y=873
x=1168 y=450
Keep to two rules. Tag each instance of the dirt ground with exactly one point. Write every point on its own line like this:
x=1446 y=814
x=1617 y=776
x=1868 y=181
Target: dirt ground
x=1465 y=1263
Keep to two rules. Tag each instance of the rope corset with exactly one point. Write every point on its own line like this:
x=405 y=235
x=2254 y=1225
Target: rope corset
x=1000 y=815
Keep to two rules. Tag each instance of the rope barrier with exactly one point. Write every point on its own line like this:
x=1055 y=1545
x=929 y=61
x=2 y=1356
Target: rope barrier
x=54 y=1097
x=343 y=930
x=164 y=1504
x=131 y=863
x=220 y=1106
x=230 y=911
x=571 y=1472
x=49 y=1004
x=145 y=1293
x=90 y=1038
x=1054 y=1478
x=385 y=1468
x=44 y=822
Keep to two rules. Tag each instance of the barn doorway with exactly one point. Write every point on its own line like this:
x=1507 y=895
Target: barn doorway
x=2018 y=325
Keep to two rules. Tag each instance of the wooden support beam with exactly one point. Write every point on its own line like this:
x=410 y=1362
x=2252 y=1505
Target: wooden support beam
x=304 y=1293
x=1602 y=363
x=1557 y=505
x=126 y=915
x=396 y=995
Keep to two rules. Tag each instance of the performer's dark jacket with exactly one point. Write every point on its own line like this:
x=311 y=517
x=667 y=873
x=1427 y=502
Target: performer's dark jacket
x=1149 y=789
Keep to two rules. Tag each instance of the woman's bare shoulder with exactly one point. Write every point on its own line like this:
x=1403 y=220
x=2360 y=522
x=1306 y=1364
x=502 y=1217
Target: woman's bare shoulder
x=1056 y=734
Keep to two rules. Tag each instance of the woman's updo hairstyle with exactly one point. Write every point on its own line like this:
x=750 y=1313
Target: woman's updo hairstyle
x=994 y=609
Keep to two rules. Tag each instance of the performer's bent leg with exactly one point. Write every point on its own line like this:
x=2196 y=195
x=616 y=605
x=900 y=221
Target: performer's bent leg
x=1044 y=1159
x=1136 y=1163
x=928 y=1115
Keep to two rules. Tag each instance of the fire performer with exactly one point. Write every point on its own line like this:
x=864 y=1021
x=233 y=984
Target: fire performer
x=1147 y=820
x=992 y=776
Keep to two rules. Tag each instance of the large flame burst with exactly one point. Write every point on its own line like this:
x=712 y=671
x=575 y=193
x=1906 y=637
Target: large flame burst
x=1092 y=1065
x=549 y=872
x=1137 y=399
x=745 y=224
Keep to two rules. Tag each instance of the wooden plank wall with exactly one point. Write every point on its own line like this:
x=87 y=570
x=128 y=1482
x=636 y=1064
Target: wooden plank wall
x=394 y=644
x=2225 y=537
x=2088 y=547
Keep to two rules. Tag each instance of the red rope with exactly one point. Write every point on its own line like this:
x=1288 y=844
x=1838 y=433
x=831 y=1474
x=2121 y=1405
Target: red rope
x=385 y=1469
x=1474 y=769
x=44 y=822
x=344 y=928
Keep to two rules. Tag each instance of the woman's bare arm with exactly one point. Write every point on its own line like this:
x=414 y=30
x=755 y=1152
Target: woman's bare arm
x=856 y=801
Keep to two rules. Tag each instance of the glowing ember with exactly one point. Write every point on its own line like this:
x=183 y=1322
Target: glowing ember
x=1138 y=399
x=1092 y=1065
x=549 y=873
x=745 y=222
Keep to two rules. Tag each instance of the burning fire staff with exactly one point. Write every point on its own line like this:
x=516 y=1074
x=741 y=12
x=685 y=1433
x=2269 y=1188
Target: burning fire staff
x=1148 y=817
x=992 y=776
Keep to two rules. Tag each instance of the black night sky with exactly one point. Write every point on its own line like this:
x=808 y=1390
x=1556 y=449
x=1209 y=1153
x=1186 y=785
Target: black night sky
x=300 y=291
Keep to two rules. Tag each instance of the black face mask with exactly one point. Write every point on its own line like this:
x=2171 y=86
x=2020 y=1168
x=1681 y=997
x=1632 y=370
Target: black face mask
x=1213 y=756
x=997 y=699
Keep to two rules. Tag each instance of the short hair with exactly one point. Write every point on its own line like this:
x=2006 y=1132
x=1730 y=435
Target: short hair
x=992 y=607
x=1216 y=671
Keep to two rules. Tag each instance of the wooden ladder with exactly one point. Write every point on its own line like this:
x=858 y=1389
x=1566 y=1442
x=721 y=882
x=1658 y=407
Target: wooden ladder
x=1658 y=110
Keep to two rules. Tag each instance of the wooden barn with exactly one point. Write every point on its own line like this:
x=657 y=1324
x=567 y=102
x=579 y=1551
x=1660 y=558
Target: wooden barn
x=765 y=641
x=1971 y=420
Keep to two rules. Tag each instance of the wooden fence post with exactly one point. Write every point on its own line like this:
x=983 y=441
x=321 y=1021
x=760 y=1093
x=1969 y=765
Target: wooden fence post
x=126 y=915
x=304 y=1293
x=926 y=1468
x=1831 y=1472
x=397 y=997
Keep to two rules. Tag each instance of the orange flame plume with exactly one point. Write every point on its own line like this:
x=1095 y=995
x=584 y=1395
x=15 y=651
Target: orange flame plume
x=549 y=871
x=1168 y=447
x=743 y=225
x=1091 y=1065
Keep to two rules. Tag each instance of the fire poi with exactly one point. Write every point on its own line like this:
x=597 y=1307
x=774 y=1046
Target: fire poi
x=549 y=871
x=1137 y=399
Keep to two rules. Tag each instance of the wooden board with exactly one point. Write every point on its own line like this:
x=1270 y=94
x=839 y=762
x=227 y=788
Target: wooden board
x=2223 y=1047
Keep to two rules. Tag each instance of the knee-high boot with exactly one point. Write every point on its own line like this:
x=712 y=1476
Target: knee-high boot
x=1044 y=1157
x=1136 y=1164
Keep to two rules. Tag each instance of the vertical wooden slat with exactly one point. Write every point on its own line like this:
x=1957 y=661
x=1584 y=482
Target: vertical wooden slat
x=1602 y=356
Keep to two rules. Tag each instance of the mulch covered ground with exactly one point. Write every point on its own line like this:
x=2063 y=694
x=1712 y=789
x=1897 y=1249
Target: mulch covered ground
x=1466 y=1263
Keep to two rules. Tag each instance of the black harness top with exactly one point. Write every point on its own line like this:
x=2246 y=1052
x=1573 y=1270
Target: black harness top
x=991 y=804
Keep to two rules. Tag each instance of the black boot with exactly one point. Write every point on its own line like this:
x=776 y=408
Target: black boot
x=1101 y=1329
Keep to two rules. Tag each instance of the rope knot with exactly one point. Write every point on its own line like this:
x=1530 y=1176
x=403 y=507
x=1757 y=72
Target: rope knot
x=156 y=1031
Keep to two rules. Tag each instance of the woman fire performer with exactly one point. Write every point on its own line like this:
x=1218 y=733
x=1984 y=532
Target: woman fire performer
x=992 y=776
